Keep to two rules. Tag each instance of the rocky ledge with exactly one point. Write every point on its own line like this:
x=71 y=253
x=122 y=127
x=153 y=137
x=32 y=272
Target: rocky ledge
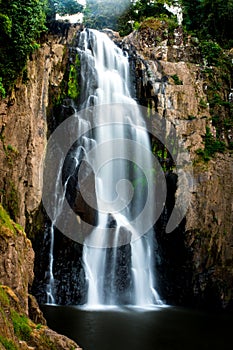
x=22 y=325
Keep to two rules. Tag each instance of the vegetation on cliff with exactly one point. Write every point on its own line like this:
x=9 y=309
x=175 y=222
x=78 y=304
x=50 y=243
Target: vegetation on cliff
x=123 y=16
x=210 y=19
x=17 y=330
x=21 y=25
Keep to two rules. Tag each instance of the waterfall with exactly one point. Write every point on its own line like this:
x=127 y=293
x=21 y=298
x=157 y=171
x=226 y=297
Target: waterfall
x=119 y=252
x=105 y=79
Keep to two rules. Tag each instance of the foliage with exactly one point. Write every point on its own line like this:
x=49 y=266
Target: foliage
x=203 y=103
x=67 y=7
x=212 y=145
x=142 y=9
x=73 y=81
x=105 y=14
x=210 y=19
x=21 y=327
x=160 y=22
x=73 y=88
x=121 y=15
x=212 y=52
x=219 y=81
x=177 y=80
x=2 y=89
x=21 y=26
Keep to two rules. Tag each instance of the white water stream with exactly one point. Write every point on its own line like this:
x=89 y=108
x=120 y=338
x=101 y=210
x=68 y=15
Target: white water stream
x=106 y=80
x=119 y=264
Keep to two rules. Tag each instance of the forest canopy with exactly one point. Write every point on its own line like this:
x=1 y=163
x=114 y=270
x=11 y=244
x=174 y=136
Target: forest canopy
x=207 y=19
x=21 y=24
x=23 y=21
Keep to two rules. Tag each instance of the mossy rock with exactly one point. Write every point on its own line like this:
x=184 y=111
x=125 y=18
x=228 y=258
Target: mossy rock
x=7 y=226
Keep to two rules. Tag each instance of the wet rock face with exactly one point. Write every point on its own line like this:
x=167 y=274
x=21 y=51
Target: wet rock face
x=69 y=279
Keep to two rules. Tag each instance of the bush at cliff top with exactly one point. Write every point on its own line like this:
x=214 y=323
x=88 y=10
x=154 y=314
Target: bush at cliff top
x=21 y=25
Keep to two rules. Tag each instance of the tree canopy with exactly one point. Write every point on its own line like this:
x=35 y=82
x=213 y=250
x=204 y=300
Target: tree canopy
x=104 y=13
x=118 y=15
x=23 y=21
x=21 y=24
x=67 y=7
x=210 y=19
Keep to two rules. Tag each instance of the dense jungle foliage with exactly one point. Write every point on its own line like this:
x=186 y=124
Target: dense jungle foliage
x=208 y=19
x=22 y=23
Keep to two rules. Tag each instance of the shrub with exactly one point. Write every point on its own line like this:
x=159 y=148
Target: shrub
x=212 y=52
x=176 y=79
x=212 y=146
x=21 y=26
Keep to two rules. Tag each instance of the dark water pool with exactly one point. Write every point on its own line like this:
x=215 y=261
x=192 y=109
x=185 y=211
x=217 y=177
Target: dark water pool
x=168 y=328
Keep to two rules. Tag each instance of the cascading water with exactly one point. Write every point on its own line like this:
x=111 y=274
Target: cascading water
x=107 y=69
x=119 y=264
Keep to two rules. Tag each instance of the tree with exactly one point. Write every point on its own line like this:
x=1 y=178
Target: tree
x=104 y=13
x=143 y=9
x=117 y=15
x=210 y=19
x=21 y=25
x=67 y=7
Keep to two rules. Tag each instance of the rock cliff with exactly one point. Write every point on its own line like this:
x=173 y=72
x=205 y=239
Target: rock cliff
x=22 y=325
x=23 y=137
x=24 y=128
x=172 y=79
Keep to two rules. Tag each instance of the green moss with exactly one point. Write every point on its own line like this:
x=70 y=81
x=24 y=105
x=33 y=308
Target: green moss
x=12 y=149
x=12 y=201
x=4 y=300
x=176 y=79
x=152 y=23
x=45 y=339
x=21 y=25
x=5 y=221
x=8 y=344
x=22 y=329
